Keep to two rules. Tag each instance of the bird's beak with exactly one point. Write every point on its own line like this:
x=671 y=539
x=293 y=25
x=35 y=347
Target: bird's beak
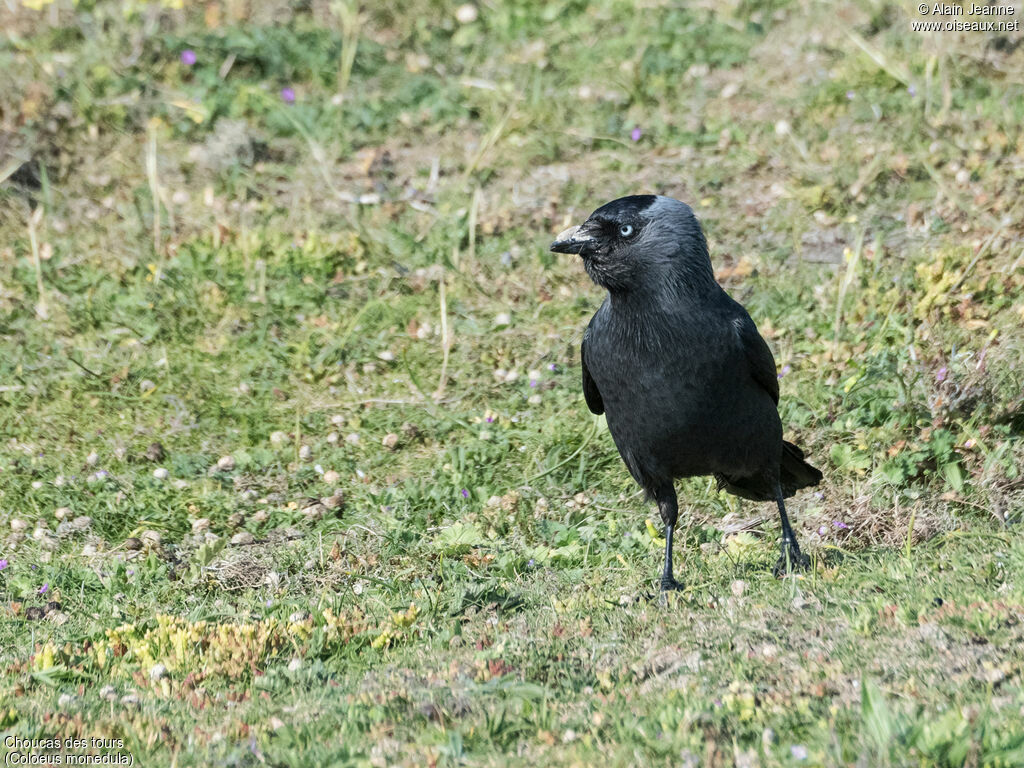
x=572 y=240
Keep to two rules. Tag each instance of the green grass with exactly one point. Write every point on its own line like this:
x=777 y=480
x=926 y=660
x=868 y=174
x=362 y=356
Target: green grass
x=423 y=549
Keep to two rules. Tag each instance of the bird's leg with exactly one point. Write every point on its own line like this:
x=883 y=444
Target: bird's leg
x=668 y=506
x=792 y=558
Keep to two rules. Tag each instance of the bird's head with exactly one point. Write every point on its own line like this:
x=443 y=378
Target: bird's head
x=638 y=242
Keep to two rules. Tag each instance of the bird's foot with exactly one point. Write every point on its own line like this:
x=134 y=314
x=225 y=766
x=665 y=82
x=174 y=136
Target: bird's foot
x=668 y=584
x=792 y=561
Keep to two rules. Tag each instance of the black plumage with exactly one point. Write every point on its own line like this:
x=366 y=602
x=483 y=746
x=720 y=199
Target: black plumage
x=686 y=382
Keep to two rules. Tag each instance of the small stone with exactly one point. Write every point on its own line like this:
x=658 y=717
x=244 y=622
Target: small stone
x=466 y=13
x=534 y=399
x=155 y=452
x=259 y=516
x=298 y=617
x=226 y=463
x=331 y=477
x=243 y=538
x=352 y=438
x=390 y=441
x=130 y=700
x=157 y=672
x=235 y=519
x=83 y=523
x=201 y=524
x=295 y=665
x=150 y=539
x=88 y=550
x=92 y=459
x=455 y=641
x=107 y=692
x=738 y=587
x=387 y=355
x=146 y=386
x=314 y=511
x=333 y=437
x=782 y=128
x=63 y=513
x=278 y=437
x=337 y=501
x=65 y=700
x=18 y=526
x=338 y=420
x=502 y=319
x=160 y=473
x=963 y=176
x=305 y=453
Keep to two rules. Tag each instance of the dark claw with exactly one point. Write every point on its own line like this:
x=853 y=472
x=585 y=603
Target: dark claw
x=668 y=584
x=797 y=562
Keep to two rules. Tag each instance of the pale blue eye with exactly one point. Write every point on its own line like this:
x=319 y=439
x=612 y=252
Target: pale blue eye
x=626 y=230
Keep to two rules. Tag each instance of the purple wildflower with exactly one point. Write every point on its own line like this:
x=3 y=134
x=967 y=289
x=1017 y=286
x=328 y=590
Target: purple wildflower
x=288 y=95
x=533 y=383
x=530 y=563
x=636 y=134
x=130 y=571
x=552 y=367
x=819 y=495
x=188 y=57
x=840 y=524
x=465 y=493
x=822 y=530
x=850 y=95
x=785 y=369
x=3 y=563
x=269 y=603
x=490 y=419
x=941 y=374
x=44 y=589
x=912 y=91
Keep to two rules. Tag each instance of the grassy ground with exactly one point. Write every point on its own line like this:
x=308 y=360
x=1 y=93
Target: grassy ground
x=295 y=465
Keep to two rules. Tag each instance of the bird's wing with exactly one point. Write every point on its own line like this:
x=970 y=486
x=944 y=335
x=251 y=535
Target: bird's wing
x=590 y=392
x=759 y=356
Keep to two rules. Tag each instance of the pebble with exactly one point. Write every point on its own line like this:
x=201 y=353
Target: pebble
x=352 y=438
x=305 y=453
x=92 y=459
x=242 y=538
x=466 y=13
x=331 y=477
x=201 y=524
x=63 y=513
x=18 y=525
x=390 y=441
x=107 y=692
x=278 y=437
x=150 y=538
x=160 y=473
x=295 y=665
x=226 y=463
x=157 y=672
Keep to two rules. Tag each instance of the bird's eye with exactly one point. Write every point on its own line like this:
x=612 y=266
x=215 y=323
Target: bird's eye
x=626 y=230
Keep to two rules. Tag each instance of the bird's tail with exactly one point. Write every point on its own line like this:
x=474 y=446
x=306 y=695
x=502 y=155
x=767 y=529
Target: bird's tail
x=795 y=473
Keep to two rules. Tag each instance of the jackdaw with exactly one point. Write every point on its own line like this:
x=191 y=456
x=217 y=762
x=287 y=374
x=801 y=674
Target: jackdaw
x=685 y=380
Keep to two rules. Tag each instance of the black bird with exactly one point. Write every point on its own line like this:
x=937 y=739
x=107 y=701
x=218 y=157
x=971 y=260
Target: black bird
x=685 y=380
